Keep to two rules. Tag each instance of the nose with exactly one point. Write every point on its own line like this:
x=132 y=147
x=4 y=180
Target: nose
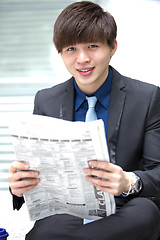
x=83 y=56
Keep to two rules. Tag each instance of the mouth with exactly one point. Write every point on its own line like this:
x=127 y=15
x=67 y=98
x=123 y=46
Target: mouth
x=85 y=70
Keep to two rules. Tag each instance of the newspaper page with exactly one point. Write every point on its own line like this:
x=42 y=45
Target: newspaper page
x=59 y=150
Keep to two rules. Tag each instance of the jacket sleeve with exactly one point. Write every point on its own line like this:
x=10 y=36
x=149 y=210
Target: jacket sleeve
x=151 y=149
x=17 y=201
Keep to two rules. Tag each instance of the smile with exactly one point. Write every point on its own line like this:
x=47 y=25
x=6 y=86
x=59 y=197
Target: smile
x=86 y=70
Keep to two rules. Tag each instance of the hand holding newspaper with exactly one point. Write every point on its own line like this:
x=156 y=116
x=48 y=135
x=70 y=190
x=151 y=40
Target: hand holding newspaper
x=59 y=150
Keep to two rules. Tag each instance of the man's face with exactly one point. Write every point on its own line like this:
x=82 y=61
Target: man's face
x=88 y=64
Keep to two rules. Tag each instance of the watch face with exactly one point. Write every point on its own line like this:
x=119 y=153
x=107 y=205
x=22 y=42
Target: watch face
x=138 y=185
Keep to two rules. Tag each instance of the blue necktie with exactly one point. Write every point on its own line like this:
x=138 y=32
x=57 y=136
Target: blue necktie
x=91 y=113
x=90 y=116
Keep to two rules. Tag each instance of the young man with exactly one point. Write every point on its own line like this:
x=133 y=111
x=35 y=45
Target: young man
x=85 y=36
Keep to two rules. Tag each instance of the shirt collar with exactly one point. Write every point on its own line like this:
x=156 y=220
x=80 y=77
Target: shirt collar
x=102 y=93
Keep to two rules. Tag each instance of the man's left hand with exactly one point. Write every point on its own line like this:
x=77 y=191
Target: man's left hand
x=108 y=177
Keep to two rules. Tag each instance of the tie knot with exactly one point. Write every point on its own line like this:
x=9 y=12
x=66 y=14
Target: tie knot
x=91 y=101
x=91 y=113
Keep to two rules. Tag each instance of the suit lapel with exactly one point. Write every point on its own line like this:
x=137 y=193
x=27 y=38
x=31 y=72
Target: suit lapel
x=67 y=103
x=117 y=101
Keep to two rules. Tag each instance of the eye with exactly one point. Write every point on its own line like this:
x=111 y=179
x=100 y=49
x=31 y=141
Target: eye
x=93 y=46
x=70 y=49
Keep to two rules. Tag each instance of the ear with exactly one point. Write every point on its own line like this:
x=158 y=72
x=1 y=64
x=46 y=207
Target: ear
x=113 y=50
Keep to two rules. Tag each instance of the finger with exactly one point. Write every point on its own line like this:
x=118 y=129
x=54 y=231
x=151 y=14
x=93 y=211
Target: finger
x=105 y=186
x=103 y=165
x=20 y=191
x=97 y=181
x=18 y=165
x=112 y=191
x=99 y=164
x=17 y=176
x=24 y=183
x=97 y=173
x=103 y=182
x=18 y=188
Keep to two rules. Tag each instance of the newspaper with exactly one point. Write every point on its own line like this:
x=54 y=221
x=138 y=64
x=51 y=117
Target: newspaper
x=59 y=150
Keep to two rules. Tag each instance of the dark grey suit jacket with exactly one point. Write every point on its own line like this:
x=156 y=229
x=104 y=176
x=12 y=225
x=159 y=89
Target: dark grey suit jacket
x=133 y=128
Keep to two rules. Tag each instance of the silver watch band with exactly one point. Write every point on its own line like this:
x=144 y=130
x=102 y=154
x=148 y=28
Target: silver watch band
x=135 y=185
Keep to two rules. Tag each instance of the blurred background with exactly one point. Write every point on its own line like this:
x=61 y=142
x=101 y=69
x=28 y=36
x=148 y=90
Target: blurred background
x=29 y=62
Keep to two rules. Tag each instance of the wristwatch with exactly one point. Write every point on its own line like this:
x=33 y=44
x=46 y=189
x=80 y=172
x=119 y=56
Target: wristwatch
x=136 y=184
